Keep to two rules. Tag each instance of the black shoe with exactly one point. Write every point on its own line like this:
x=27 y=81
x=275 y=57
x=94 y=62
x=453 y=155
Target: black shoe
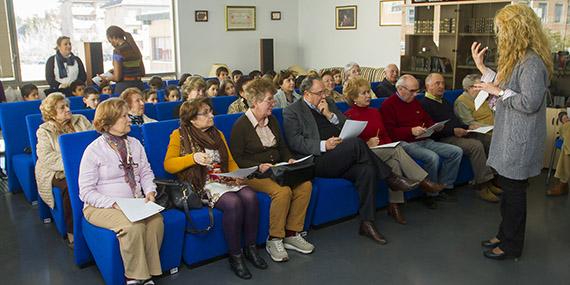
x=430 y=202
x=253 y=256
x=238 y=266
x=502 y=256
x=489 y=244
x=446 y=196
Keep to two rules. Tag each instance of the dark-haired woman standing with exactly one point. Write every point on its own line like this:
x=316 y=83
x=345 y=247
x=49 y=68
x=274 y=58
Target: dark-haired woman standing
x=64 y=67
x=128 y=66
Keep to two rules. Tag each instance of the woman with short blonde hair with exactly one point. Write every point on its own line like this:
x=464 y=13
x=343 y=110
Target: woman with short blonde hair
x=115 y=166
x=58 y=120
x=517 y=146
x=194 y=87
x=135 y=100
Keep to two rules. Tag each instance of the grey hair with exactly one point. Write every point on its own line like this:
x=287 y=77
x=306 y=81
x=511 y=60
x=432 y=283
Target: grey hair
x=348 y=67
x=429 y=77
x=403 y=79
x=307 y=83
x=470 y=80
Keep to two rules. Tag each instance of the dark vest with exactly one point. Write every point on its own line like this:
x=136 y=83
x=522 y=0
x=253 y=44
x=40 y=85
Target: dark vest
x=326 y=128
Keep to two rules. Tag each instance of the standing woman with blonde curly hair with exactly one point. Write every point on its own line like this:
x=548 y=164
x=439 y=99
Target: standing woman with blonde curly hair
x=517 y=146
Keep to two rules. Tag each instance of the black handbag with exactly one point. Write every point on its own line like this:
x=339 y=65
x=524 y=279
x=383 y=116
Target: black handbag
x=293 y=174
x=173 y=194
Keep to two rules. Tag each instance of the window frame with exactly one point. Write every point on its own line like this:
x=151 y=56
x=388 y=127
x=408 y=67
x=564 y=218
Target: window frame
x=17 y=81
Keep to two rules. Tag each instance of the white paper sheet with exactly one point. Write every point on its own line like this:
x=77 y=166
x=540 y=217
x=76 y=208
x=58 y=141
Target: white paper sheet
x=296 y=161
x=240 y=173
x=352 y=129
x=480 y=99
x=481 y=130
x=97 y=80
x=431 y=130
x=135 y=209
x=387 y=145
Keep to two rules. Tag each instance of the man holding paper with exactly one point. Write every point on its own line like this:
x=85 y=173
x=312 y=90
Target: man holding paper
x=406 y=120
x=469 y=114
x=312 y=126
x=455 y=133
x=357 y=92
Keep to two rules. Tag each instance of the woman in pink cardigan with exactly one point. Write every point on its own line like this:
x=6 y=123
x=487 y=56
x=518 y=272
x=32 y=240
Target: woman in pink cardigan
x=115 y=166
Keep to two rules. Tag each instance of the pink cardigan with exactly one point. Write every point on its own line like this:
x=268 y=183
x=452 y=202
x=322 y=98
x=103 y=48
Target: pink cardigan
x=101 y=180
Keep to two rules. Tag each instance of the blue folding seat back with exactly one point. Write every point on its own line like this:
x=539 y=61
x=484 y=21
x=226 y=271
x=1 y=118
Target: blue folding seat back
x=225 y=123
x=221 y=104
x=376 y=103
x=451 y=95
x=103 y=97
x=336 y=198
x=156 y=138
x=88 y=113
x=150 y=110
x=99 y=243
x=76 y=103
x=166 y=110
x=338 y=89
x=172 y=82
x=146 y=85
x=342 y=106
x=136 y=132
x=160 y=94
x=14 y=132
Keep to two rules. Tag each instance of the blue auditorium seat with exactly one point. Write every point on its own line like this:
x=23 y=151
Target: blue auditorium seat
x=451 y=95
x=172 y=82
x=103 y=97
x=338 y=89
x=88 y=113
x=92 y=242
x=342 y=106
x=160 y=94
x=376 y=103
x=150 y=110
x=221 y=104
x=76 y=103
x=19 y=165
x=167 y=110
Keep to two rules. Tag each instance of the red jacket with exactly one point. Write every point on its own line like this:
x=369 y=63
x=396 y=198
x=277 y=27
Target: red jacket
x=400 y=117
x=375 y=124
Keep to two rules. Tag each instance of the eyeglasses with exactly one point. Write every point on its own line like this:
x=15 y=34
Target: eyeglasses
x=411 y=90
x=320 y=93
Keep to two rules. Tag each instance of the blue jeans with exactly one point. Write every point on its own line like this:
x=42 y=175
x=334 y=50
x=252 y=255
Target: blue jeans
x=430 y=153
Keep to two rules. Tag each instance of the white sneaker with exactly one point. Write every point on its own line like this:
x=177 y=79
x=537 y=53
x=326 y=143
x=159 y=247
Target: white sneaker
x=298 y=243
x=276 y=250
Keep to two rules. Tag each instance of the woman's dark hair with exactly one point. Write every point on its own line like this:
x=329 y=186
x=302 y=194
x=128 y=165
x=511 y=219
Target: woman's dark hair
x=26 y=89
x=223 y=85
x=283 y=74
x=59 y=40
x=114 y=32
x=189 y=109
x=183 y=78
x=241 y=82
x=255 y=73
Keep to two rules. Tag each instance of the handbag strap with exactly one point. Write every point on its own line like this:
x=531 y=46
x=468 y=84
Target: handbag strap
x=190 y=226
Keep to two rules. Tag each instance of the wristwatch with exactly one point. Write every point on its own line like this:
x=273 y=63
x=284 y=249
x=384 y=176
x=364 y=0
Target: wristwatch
x=501 y=93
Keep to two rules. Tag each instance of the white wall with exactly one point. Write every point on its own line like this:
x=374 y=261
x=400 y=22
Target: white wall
x=201 y=44
x=321 y=45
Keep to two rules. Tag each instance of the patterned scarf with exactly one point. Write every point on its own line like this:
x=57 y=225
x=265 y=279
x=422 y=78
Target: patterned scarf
x=119 y=144
x=136 y=120
x=60 y=63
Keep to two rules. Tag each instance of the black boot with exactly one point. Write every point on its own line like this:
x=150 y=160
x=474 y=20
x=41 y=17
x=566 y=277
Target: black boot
x=238 y=266
x=253 y=256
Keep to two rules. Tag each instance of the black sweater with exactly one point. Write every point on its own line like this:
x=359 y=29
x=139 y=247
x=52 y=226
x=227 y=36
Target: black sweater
x=441 y=112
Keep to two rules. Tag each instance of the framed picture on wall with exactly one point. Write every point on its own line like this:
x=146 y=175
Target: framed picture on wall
x=240 y=18
x=276 y=15
x=201 y=16
x=346 y=17
x=391 y=12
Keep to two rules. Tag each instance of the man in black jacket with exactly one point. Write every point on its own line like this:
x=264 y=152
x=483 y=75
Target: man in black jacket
x=387 y=87
x=312 y=127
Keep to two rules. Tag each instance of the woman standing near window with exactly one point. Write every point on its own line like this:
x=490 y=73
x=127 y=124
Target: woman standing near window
x=64 y=67
x=128 y=66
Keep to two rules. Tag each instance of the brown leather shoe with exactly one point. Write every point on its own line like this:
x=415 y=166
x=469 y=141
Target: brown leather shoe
x=368 y=229
x=399 y=183
x=558 y=190
x=431 y=187
x=394 y=211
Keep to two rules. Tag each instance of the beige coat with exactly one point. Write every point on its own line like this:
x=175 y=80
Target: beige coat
x=49 y=164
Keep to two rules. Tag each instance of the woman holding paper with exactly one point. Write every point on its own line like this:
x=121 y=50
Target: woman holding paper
x=358 y=94
x=196 y=152
x=517 y=147
x=115 y=166
x=256 y=141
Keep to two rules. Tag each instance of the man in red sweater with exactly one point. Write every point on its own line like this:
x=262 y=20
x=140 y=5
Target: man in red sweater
x=405 y=120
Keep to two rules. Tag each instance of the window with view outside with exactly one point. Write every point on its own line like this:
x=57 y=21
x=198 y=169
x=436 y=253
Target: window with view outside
x=40 y=23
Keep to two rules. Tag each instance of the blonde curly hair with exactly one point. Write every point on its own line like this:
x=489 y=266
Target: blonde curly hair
x=47 y=108
x=352 y=88
x=518 y=29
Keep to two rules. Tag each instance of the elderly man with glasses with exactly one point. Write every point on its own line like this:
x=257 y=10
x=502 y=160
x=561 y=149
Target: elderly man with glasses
x=312 y=127
x=406 y=120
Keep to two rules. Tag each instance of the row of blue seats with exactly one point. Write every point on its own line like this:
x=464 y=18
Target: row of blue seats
x=331 y=199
